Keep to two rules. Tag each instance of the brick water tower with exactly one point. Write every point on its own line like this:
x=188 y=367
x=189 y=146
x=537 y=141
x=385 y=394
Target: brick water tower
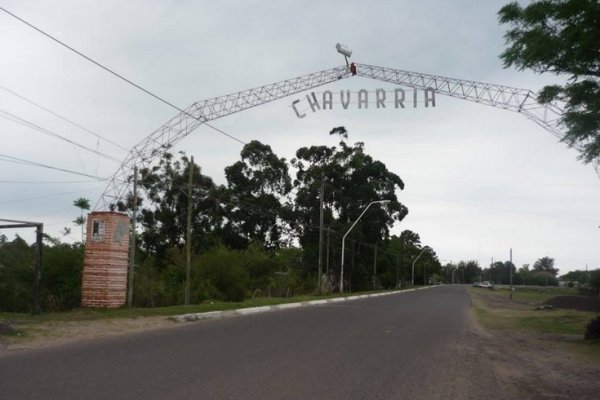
x=106 y=260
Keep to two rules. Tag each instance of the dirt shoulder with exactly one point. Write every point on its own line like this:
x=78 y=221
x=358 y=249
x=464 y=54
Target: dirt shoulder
x=53 y=333
x=535 y=356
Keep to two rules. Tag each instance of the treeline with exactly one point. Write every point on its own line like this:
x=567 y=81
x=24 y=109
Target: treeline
x=543 y=273
x=60 y=287
x=256 y=235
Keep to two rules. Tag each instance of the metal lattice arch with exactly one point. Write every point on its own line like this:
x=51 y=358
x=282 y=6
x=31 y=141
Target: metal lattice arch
x=144 y=153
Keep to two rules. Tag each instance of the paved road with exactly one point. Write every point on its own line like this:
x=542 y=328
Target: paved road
x=414 y=345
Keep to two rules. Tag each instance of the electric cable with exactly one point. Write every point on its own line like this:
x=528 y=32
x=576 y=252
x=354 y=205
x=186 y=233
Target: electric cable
x=49 y=195
x=7 y=158
x=44 y=182
x=119 y=76
x=15 y=118
x=63 y=118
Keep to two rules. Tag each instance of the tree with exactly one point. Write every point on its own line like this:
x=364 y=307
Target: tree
x=582 y=277
x=341 y=132
x=16 y=274
x=164 y=212
x=82 y=204
x=545 y=264
x=561 y=37
x=523 y=275
x=595 y=280
x=258 y=184
x=352 y=179
x=470 y=271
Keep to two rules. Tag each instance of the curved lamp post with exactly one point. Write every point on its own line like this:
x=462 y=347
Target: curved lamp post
x=344 y=239
x=413 y=265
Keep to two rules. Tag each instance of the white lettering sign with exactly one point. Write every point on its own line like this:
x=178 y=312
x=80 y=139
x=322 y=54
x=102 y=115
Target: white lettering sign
x=378 y=99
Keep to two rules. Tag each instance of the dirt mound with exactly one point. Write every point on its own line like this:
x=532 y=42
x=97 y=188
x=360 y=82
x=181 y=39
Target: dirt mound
x=579 y=303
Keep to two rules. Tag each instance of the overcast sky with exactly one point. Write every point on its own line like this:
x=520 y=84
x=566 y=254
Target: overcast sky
x=479 y=180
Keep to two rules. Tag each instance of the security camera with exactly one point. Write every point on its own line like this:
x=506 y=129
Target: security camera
x=344 y=50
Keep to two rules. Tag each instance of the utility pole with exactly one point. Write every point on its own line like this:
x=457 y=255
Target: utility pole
x=132 y=252
x=413 y=266
x=510 y=267
x=39 y=237
x=327 y=260
x=320 y=269
x=188 y=240
x=397 y=270
x=375 y=266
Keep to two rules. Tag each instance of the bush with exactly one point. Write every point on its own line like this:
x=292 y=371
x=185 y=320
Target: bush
x=219 y=273
x=592 y=329
x=62 y=268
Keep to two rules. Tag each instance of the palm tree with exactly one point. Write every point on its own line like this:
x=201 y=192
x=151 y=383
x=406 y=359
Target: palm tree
x=82 y=204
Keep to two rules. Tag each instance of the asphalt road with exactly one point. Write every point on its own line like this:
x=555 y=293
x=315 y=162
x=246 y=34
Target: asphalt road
x=416 y=345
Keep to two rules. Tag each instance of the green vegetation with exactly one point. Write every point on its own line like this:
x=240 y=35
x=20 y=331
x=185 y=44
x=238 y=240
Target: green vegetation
x=496 y=311
x=592 y=329
x=255 y=236
x=561 y=37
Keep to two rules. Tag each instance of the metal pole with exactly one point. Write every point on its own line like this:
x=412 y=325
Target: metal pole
x=375 y=266
x=132 y=252
x=188 y=240
x=344 y=240
x=413 y=266
x=320 y=269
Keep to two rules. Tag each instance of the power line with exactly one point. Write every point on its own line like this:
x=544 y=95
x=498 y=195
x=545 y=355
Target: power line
x=4 y=157
x=110 y=71
x=49 y=195
x=509 y=210
x=63 y=118
x=44 y=182
x=12 y=117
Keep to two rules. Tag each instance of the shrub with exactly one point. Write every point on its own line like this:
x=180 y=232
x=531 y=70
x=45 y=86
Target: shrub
x=592 y=329
x=220 y=274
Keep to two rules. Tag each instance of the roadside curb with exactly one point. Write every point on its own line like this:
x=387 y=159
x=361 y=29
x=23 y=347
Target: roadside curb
x=284 y=306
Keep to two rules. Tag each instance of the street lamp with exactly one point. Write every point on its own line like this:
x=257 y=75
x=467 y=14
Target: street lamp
x=413 y=265
x=344 y=239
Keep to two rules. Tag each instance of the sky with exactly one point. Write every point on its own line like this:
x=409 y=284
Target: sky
x=478 y=180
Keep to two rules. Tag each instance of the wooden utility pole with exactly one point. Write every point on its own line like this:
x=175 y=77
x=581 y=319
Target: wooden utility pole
x=188 y=240
x=132 y=251
x=320 y=269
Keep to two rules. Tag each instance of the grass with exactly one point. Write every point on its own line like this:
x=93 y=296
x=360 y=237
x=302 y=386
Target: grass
x=496 y=312
x=85 y=314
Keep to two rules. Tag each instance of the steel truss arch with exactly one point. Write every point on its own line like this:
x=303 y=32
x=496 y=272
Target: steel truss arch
x=201 y=112
x=523 y=101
